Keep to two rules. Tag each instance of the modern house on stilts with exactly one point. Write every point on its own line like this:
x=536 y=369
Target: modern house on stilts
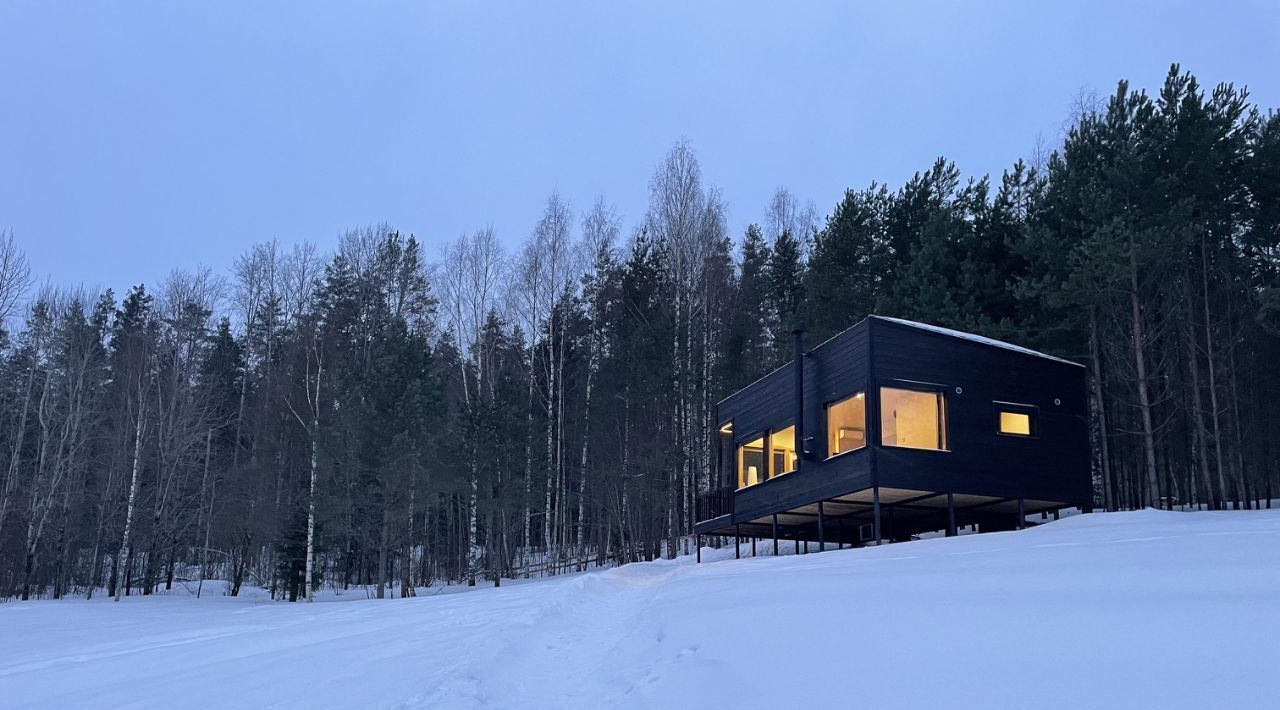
x=895 y=428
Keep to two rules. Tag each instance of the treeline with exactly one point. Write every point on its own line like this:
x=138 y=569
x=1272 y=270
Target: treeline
x=372 y=417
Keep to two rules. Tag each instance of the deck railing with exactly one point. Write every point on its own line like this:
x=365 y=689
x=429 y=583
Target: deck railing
x=715 y=503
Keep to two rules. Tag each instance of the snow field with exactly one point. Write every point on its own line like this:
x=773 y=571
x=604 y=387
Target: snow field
x=1146 y=609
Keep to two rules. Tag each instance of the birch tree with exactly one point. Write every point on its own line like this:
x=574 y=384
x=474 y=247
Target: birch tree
x=685 y=220
x=471 y=276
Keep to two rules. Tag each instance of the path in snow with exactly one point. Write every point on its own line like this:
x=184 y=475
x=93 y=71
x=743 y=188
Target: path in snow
x=1143 y=609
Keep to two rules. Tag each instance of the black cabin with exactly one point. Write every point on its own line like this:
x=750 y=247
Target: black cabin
x=894 y=428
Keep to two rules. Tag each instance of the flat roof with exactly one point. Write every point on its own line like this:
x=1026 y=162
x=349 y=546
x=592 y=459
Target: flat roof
x=971 y=337
x=974 y=338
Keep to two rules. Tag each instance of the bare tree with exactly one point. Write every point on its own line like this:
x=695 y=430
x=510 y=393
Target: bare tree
x=138 y=374
x=787 y=216
x=600 y=230
x=470 y=277
x=1086 y=102
x=686 y=219
x=37 y=337
x=311 y=423
x=15 y=276
x=183 y=414
x=65 y=418
x=299 y=275
x=547 y=274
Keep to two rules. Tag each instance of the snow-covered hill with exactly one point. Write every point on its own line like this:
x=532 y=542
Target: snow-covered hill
x=1127 y=610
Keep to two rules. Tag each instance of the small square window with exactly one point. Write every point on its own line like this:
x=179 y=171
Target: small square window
x=1015 y=420
x=1015 y=423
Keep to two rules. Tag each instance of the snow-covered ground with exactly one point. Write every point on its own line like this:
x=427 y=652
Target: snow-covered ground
x=1125 y=610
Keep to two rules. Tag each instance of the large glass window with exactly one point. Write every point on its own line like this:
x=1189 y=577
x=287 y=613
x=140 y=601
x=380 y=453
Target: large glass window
x=751 y=463
x=782 y=451
x=847 y=425
x=913 y=419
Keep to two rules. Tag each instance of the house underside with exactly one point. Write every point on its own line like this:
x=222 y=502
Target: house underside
x=851 y=519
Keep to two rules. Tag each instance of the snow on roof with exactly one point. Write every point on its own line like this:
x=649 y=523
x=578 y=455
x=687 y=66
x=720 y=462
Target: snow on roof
x=975 y=338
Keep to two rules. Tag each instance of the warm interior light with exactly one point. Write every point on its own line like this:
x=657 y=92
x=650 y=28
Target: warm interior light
x=782 y=451
x=1015 y=423
x=846 y=425
x=750 y=462
x=912 y=419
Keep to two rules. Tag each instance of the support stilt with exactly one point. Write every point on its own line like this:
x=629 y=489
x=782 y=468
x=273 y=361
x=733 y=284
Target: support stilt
x=1022 y=518
x=875 y=506
x=951 y=515
x=822 y=535
x=775 y=534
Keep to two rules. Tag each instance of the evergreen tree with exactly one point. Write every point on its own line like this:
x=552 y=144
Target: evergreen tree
x=849 y=262
x=749 y=344
x=785 y=276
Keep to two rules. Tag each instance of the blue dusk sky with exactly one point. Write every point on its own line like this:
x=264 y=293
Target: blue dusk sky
x=136 y=137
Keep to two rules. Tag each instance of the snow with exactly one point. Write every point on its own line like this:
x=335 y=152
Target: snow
x=1144 y=609
x=975 y=338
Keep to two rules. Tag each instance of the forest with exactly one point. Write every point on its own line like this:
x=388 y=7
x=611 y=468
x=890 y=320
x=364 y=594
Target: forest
x=401 y=412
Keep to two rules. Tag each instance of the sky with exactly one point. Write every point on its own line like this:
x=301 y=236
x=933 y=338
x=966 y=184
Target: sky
x=144 y=136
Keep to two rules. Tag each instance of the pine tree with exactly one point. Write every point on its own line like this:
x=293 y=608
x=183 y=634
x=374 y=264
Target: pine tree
x=749 y=345
x=849 y=262
x=786 y=297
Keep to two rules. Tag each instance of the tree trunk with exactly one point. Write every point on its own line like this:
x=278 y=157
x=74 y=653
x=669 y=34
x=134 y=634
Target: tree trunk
x=1197 y=407
x=311 y=515
x=548 y=521
x=204 y=481
x=1099 y=398
x=406 y=564
x=526 y=538
x=592 y=365
x=384 y=538
x=1213 y=382
x=1144 y=395
x=133 y=496
x=15 y=457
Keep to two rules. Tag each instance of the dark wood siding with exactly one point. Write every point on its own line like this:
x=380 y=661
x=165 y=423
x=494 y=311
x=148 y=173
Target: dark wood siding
x=1051 y=466
x=828 y=479
x=1054 y=465
x=765 y=403
x=833 y=370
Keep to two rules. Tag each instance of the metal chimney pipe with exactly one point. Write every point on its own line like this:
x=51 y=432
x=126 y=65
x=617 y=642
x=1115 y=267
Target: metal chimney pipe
x=802 y=449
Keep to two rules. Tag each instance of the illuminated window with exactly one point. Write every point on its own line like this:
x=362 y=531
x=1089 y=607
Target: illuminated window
x=782 y=451
x=751 y=463
x=846 y=425
x=1014 y=420
x=912 y=419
